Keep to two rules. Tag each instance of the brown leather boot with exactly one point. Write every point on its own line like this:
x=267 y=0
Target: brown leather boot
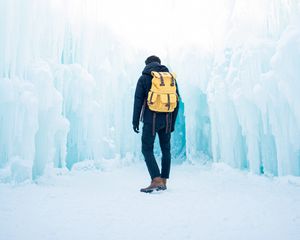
x=164 y=180
x=156 y=184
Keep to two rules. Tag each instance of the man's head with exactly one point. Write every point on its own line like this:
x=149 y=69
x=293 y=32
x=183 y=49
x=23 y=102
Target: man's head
x=152 y=59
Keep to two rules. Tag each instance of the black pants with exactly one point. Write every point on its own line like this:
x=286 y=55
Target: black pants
x=147 y=150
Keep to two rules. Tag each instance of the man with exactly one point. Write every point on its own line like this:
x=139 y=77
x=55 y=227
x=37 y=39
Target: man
x=154 y=122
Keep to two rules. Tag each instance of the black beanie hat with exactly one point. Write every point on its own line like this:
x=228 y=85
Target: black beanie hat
x=151 y=59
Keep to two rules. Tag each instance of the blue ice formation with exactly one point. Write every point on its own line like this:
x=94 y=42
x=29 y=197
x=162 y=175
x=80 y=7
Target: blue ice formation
x=66 y=91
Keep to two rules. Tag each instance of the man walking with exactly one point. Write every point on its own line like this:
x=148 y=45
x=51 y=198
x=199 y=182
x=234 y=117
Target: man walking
x=156 y=104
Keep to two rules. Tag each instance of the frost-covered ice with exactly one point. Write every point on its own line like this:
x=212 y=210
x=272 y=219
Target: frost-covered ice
x=67 y=81
x=210 y=203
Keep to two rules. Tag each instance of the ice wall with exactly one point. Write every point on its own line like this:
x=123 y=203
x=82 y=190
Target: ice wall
x=57 y=95
x=67 y=84
x=194 y=77
x=241 y=97
x=66 y=90
x=254 y=107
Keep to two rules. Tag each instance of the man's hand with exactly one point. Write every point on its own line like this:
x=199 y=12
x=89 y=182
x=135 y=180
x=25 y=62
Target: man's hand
x=136 y=128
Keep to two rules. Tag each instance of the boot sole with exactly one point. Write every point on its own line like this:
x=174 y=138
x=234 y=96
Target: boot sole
x=150 y=190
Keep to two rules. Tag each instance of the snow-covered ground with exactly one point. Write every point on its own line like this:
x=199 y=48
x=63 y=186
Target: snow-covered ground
x=208 y=202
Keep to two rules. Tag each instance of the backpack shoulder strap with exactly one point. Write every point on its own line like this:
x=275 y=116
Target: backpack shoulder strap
x=162 y=83
x=173 y=79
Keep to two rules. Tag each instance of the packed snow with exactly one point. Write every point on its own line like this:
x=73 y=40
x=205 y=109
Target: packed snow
x=201 y=202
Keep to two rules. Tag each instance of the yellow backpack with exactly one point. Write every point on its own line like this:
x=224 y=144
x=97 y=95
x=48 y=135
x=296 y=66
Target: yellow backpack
x=162 y=96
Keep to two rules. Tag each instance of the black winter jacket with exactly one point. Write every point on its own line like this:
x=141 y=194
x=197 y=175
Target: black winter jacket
x=141 y=94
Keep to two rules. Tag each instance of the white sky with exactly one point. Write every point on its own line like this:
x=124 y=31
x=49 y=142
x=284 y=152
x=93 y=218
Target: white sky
x=157 y=24
x=166 y=22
